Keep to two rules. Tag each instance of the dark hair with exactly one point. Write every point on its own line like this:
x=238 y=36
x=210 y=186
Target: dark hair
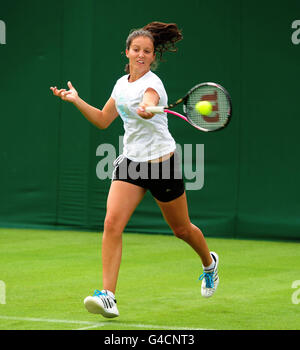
x=163 y=35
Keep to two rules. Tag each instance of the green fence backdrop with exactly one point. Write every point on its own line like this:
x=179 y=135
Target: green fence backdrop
x=52 y=159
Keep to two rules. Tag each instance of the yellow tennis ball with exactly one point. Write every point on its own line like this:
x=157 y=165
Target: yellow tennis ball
x=203 y=107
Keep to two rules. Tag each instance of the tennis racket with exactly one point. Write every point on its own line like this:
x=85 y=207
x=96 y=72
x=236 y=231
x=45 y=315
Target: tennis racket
x=212 y=92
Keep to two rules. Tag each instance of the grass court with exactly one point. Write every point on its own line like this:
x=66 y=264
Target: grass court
x=46 y=275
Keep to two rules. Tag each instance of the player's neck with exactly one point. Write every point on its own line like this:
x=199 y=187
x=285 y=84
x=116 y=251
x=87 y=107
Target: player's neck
x=135 y=75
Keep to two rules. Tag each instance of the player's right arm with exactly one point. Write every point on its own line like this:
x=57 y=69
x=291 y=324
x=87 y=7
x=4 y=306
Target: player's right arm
x=100 y=118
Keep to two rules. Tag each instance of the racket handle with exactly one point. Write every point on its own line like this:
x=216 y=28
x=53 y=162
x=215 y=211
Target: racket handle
x=155 y=109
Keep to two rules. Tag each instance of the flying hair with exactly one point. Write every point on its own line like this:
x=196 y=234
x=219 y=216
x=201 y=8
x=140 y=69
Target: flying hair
x=163 y=35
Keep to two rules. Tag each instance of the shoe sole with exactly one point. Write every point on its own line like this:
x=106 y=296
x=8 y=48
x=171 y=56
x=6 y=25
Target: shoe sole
x=95 y=308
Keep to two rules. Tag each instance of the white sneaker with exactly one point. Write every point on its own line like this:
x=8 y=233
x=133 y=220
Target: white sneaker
x=210 y=279
x=102 y=302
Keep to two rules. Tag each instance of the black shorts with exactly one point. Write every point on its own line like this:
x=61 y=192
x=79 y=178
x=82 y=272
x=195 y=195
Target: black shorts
x=163 y=179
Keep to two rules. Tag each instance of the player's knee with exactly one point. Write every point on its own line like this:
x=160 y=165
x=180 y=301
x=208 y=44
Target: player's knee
x=181 y=231
x=112 y=226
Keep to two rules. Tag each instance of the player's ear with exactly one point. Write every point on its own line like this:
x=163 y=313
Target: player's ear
x=154 y=56
x=126 y=52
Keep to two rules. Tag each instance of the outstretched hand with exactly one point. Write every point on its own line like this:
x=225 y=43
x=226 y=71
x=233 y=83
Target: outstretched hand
x=70 y=95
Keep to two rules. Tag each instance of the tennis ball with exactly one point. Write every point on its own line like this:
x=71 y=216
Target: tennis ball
x=203 y=107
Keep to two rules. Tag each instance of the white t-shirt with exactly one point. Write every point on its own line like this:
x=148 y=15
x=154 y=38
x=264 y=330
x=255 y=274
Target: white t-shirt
x=144 y=139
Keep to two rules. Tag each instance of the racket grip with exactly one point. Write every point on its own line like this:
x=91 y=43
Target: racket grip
x=155 y=109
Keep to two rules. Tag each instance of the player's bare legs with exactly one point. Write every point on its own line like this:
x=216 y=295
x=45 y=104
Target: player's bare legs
x=123 y=198
x=176 y=215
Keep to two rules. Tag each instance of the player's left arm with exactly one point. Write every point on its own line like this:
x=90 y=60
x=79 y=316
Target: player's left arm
x=150 y=98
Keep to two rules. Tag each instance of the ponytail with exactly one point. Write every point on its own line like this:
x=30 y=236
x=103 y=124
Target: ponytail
x=165 y=36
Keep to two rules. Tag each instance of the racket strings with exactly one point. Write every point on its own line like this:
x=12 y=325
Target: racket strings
x=220 y=103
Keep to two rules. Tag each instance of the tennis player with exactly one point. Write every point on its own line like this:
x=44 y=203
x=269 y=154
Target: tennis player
x=148 y=161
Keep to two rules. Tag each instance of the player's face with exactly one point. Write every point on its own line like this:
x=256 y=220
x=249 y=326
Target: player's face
x=141 y=54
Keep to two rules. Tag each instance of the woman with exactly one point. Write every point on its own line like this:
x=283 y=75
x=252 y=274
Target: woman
x=148 y=150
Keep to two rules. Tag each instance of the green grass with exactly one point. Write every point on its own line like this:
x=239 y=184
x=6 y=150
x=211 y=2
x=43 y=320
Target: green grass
x=47 y=275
